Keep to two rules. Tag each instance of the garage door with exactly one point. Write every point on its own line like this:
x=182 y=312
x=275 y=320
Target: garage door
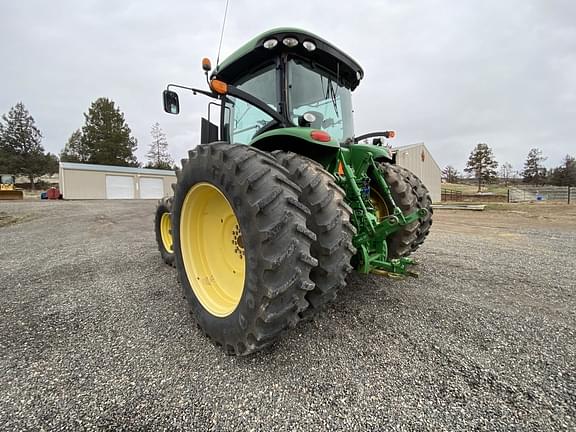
x=119 y=187
x=151 y=188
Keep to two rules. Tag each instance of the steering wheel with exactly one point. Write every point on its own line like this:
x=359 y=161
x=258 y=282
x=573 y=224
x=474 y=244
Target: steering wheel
x=329 y=122
x=272 y=124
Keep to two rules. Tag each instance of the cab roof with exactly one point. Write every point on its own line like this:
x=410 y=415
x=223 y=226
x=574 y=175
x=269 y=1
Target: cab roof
x=251 y=55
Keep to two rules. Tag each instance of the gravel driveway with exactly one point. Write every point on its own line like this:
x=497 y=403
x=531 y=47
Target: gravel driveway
x=95 y=334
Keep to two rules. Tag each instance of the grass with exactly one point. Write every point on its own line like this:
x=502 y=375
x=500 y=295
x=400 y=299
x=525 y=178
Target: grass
x=471 y=189
x=530 y=207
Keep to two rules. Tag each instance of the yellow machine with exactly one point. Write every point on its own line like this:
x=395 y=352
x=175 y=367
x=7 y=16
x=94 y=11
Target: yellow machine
x=8 y=190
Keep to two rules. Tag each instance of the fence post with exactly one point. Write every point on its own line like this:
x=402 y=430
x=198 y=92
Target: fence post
x=569 y=192
x=508 y=196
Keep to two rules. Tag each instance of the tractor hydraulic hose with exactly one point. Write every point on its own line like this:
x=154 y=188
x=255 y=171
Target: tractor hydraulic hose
x=356 y=192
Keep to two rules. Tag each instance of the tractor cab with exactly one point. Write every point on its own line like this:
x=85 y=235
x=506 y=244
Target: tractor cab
x=285 y=79
x=306 y=80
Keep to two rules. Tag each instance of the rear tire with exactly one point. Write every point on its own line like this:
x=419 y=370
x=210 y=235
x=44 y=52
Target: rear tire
x=275 y=245
x=164 y=241
x=329 y=219
x=400 y=243
x=423 y=201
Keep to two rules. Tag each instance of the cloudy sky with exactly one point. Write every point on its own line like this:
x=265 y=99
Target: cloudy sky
x=448 y=73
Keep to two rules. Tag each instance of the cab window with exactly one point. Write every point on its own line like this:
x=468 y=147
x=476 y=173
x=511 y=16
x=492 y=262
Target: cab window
x=245 y=119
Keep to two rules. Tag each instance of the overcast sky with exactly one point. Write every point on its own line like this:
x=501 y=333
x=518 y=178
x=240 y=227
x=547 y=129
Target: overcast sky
x=448 y=73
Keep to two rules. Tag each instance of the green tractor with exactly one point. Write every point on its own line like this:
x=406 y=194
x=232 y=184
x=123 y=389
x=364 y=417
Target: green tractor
x=281 y=200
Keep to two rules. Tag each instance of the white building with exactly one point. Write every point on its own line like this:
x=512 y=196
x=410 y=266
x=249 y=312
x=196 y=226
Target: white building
x=86 y=181
x=417 y=158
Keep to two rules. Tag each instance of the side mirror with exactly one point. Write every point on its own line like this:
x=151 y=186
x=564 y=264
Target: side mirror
x=171 y=102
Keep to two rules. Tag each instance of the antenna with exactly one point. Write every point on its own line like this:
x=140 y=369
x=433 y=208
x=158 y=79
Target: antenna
x=222 y=34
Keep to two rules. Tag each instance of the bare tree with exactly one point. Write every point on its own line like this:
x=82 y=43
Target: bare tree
x=506 y=172
x=450 y=174
x=158 y=156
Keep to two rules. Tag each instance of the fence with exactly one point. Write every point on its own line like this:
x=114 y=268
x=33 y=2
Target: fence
x=542 y=193
x=455 y=195
x=451 y=195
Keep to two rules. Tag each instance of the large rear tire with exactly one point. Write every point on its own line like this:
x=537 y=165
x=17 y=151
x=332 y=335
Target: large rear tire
x=163 y=230
x=242 y=246
x=423 y=201
x=329 y=219
x=400 y=243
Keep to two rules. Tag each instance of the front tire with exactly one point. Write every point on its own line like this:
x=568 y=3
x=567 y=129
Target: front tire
x=163 y=230
x=242 y=246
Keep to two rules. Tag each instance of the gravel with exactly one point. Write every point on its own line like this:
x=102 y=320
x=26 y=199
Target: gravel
x=95 y=334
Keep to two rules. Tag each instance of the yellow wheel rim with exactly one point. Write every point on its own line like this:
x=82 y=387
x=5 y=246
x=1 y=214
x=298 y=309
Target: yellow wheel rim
x=166 y=232
x=212 y=249
x=379 y=204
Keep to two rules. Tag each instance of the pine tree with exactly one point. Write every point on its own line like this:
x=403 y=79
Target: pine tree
x=482 y=164
x=450 y=174
x=534 y=172
x=74 y=151
x=106 y=137
x=52 y=164
x=20 y=146
x=565 y=174
x=158 y=156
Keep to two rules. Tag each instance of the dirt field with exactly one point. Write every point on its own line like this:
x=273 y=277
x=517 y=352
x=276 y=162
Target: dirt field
x=94 y=333
x=505 y=219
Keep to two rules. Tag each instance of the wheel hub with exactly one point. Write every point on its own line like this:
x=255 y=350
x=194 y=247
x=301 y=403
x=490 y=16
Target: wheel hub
x=166 y=232
x=238 y=242
x=212 y=249
x=379 y=204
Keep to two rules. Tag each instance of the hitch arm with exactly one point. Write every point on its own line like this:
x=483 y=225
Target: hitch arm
x=386 y=190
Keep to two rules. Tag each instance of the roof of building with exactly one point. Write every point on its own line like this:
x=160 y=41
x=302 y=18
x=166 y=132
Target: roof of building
x=409 y=146
x=414 y=146
x=115 y=169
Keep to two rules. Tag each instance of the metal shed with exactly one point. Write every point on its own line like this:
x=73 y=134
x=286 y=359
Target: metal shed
x=86 y=181
x=418 y=159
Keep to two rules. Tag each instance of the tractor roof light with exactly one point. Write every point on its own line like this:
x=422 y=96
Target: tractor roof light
x=218 y=86
x=270 y=43
x=309 y=45
x=290 y=42
x=206 y=65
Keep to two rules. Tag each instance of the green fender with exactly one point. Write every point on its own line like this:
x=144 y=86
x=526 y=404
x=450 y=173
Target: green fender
x=301 y=133
x=298 y=140
x=357 y=151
